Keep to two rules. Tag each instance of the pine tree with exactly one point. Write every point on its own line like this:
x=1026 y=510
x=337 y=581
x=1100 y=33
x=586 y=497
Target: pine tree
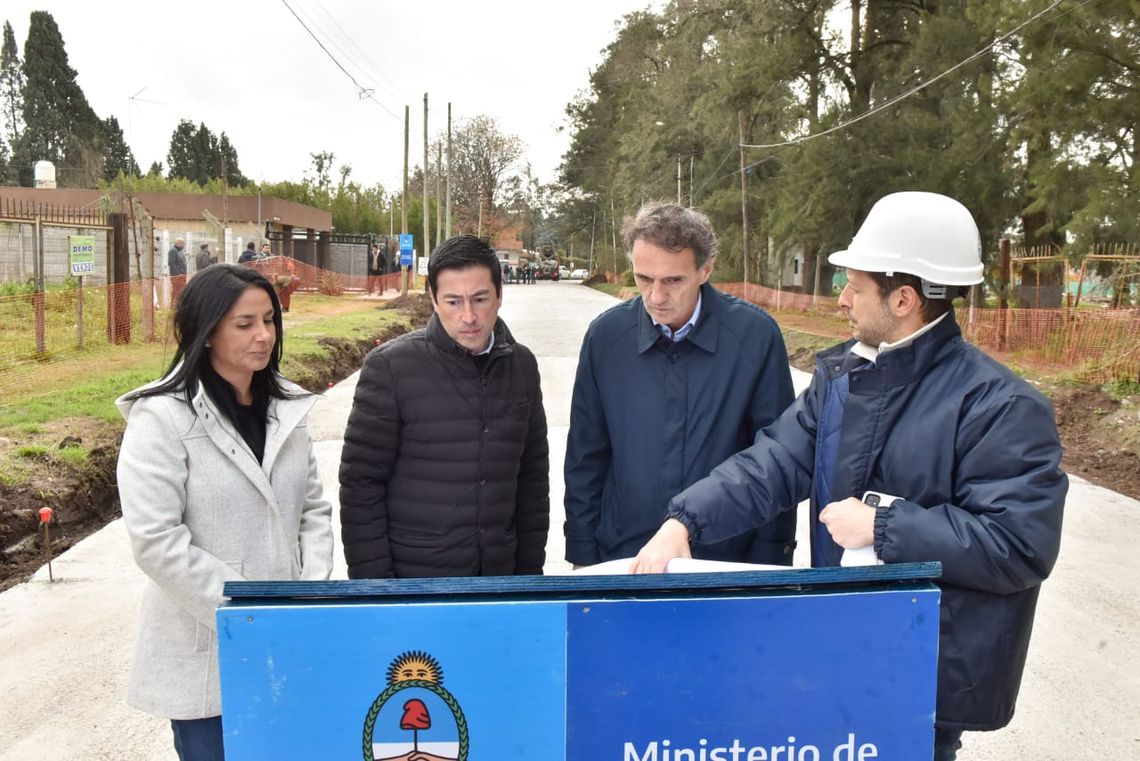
x=5 y=164
x=59 y=125
x=227 y=151
x=117 y=156
x=207 y=163
x=11 y=89
x=196 y=154
x=11 y=105
x=180 y=158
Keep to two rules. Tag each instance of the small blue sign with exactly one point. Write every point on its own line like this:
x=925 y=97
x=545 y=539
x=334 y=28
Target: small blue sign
x=407 y=245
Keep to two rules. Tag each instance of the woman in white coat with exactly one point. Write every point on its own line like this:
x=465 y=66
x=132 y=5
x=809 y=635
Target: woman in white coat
x=218 y=482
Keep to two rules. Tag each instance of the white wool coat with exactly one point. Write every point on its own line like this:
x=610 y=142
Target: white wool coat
x=201 y=511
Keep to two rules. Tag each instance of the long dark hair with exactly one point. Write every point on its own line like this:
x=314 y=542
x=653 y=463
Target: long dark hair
x=205 y=300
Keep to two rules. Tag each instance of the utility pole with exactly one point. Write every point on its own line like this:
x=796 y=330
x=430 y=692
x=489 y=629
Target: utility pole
x=613 y=226
x=404 y=204
x=427 y=206
x=691 y=157
x=743 y=200
x=438 y=193
x=593 y=227
x=225 y=210
x=448 y=225
x=678 y=179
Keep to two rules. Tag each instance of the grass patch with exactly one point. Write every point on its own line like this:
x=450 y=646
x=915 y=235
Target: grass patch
x=75 y=396
x=16 y=471
x=87 y=385
x=74 y=456
x=93 y=397
x=303 y=341
x=613 y=289
x=1122 y=389
x=797 y=340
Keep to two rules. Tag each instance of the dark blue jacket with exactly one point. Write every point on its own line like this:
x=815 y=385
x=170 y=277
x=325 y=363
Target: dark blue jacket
x=650 y=417
x=176 y=261
x=974 y=452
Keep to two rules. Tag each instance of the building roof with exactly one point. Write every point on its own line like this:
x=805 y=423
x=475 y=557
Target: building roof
x=172 y=206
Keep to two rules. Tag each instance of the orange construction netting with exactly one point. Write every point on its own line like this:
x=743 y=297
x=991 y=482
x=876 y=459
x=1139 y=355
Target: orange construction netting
x=69 y=324
x=1100 y=345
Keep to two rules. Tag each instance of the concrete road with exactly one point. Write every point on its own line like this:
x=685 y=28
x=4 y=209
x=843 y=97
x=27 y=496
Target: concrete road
x=65 y=646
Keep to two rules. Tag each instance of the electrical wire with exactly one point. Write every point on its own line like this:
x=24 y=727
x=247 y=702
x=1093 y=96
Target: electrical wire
x=362 y=92
x=369 y=64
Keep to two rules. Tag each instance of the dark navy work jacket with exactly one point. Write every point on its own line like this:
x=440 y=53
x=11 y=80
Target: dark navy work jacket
x=972 y=450
x=649 y=417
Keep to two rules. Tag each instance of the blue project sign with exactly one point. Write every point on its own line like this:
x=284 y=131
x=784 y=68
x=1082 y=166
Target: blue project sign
x=843 y=675
x=407 y=246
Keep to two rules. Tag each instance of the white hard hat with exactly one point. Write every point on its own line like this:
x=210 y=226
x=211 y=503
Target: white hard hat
x=928 y=235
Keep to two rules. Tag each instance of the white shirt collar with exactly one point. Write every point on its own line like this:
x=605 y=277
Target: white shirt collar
x=490 y=345
x=872 y=354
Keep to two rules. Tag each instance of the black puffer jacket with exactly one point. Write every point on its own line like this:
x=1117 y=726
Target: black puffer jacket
x=445 y=468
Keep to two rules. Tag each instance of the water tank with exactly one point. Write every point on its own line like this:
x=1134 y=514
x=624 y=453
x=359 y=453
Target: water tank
x=45 y=174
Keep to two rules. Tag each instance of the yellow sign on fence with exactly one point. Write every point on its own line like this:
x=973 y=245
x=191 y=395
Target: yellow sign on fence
x=82 y=254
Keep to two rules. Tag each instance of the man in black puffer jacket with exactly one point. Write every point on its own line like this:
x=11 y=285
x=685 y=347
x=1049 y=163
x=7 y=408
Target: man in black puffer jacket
x=445 y=467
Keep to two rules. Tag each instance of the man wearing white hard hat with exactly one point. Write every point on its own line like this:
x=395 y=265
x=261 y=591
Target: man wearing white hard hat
x=958 y=458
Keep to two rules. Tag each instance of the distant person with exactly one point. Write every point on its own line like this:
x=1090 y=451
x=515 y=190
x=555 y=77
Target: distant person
x=266 y=251
x=286 y=281
x=250 y=253
x=203 y=258
x=965 y=453
x=176 y=265
x=445 y=467
x=377 y=268
x=218 y=482
x=669 y=384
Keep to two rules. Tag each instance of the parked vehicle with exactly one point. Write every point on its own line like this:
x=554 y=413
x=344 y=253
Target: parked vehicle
x=564 y=273
x=579 y=274
x=548 y=265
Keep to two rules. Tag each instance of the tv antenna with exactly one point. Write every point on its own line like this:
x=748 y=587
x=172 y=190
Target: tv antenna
x=131 y=101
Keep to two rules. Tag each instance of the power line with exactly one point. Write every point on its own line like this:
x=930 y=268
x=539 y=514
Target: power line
x=368 y=66
x=887 y=104
x=362 y=92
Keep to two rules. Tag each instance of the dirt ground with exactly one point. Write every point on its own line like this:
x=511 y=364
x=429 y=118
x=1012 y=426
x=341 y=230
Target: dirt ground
x=1100 y=432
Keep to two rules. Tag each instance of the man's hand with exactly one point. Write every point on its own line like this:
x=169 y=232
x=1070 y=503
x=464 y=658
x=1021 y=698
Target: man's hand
x=850 y=522
x=670 y=541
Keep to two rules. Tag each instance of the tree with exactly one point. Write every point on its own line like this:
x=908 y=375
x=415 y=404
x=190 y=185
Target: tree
x=483 y=157
x=59 y=125
x=1075 y=90
x=117 y=156
x=11 y=89
x=674 y=83
x=5 y=163
x=227 y=154
x=322 y=170
x=198 y=155
x=182 y=156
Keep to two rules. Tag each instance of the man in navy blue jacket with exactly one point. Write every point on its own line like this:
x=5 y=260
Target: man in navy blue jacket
x=668 y=385
x=908 y=408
